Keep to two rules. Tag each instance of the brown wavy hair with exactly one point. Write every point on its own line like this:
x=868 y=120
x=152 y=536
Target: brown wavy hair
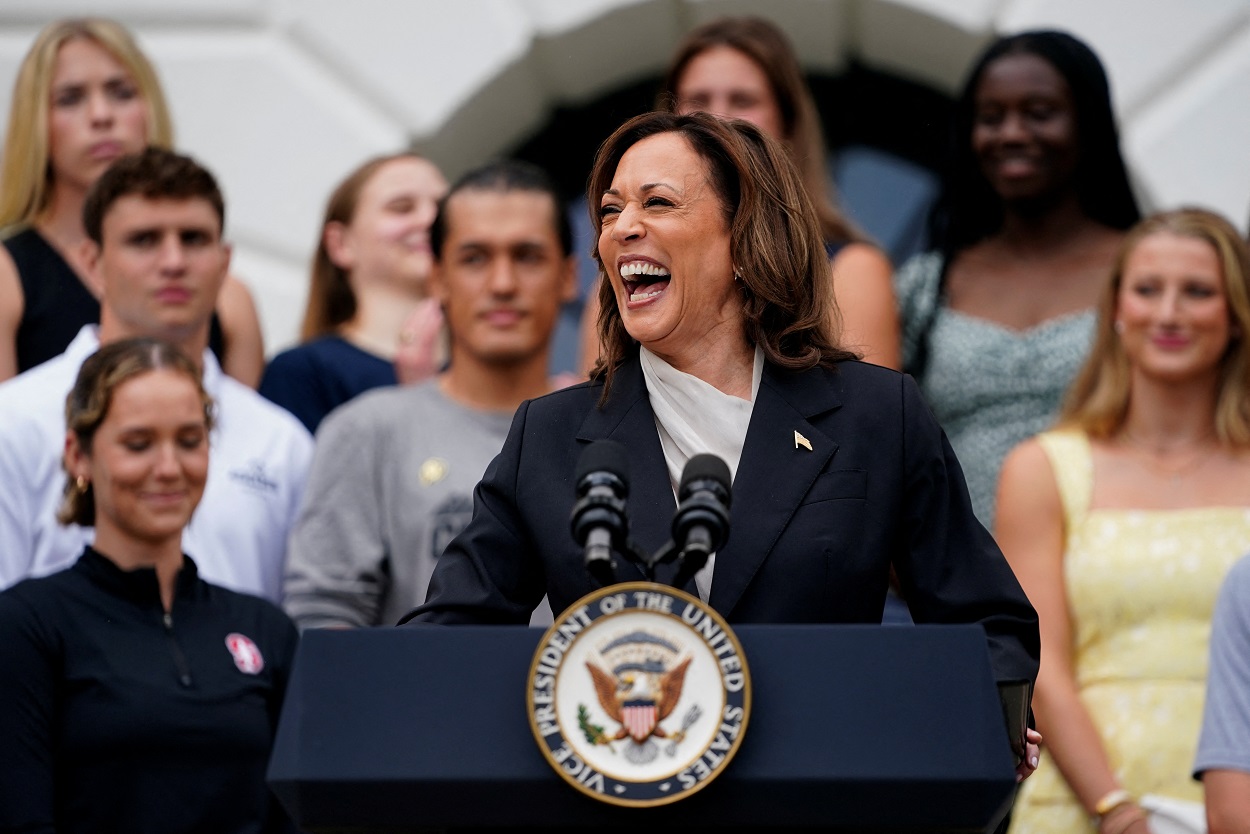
x=775 y=241
x=1097 y=403
x=766 y=45
x=153 y=174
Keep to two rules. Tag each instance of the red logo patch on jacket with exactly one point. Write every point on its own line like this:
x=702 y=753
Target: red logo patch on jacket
x=246 y=656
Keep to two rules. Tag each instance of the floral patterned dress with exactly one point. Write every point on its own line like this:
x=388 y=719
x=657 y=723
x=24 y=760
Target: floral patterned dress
x=989 y=386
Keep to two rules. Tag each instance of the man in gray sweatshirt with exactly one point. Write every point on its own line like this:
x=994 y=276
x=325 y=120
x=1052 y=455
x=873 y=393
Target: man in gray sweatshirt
x=393 y=471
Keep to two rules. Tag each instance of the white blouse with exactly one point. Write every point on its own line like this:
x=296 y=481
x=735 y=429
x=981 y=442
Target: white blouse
x=693 y=418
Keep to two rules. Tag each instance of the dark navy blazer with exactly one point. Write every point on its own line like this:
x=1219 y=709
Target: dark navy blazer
x=813 y=533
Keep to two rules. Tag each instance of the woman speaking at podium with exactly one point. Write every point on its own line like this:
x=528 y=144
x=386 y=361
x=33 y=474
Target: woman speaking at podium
x=718 y=339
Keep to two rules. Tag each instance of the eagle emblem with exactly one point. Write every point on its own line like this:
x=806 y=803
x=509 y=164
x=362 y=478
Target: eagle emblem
x=661 y=705
x=641 y=690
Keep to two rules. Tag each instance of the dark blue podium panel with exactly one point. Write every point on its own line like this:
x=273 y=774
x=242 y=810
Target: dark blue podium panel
x=858 y=728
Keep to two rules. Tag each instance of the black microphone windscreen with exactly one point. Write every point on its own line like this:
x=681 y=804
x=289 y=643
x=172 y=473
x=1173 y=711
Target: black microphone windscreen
x=603 y=455
x=704 y=467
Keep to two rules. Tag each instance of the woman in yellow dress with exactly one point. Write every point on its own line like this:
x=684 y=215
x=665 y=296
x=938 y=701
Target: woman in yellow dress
x=1121 y=523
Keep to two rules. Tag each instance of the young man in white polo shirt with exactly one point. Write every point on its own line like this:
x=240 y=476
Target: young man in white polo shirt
x=155 y=251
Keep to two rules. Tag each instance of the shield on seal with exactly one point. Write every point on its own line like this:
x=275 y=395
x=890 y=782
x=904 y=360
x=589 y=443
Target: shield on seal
x=639 y=718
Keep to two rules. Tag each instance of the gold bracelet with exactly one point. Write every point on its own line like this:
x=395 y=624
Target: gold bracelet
x=1110 y=801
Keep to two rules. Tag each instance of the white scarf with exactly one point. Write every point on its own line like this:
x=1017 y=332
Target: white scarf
x=692 y=418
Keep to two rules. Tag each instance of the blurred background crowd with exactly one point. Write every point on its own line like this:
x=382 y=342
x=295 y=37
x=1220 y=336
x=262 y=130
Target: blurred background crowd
x=282 y=100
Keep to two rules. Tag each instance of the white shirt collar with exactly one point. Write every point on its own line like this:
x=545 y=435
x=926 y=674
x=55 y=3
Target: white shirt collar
x=693 y=417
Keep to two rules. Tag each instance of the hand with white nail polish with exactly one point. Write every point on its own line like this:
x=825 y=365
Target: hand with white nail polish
x=1032 y=755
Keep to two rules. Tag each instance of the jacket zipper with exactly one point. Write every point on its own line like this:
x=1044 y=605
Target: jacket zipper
x=180 y=659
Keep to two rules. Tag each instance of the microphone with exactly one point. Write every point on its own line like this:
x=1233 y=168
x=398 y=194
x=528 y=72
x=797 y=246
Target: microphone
x=599 y=522
x=701 y=524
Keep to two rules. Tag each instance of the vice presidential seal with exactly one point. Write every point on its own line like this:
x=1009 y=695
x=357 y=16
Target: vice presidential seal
x=639 y=694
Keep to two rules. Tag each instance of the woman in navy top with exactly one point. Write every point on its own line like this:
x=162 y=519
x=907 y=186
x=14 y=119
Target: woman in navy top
x=366 y=305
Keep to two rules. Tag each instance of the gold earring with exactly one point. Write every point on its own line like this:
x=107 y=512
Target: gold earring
x=81 y=484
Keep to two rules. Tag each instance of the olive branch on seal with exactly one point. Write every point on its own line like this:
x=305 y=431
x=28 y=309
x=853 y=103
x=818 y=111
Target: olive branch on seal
x=593 y=732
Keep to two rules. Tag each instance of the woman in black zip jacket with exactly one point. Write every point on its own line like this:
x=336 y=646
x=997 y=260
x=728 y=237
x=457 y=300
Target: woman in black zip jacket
x=134 y=696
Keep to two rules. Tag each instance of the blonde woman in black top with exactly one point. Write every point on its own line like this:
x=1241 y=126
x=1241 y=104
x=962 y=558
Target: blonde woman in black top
x=85 y=96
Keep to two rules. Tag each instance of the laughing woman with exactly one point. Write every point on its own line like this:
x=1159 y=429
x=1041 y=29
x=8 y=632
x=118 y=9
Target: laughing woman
x=718 y=339
x=135 y=696
x=1122 y=523
x=746 y=68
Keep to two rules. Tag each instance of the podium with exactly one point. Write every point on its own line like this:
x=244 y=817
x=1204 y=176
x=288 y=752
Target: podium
x=852 y=728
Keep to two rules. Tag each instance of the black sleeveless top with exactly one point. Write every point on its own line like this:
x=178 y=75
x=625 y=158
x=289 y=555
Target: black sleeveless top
x=56 y=302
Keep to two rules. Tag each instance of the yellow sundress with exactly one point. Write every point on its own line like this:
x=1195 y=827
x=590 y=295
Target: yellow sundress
x=1141 y=588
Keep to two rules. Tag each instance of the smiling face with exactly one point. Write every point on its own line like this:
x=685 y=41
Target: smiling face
x=664 y=243
x=502 y=277
x=96 y=113
x=1024 y=131
x=161 y=264
x=388 y=238
x=1172 y=312
x=729 y=84
x=148 y=462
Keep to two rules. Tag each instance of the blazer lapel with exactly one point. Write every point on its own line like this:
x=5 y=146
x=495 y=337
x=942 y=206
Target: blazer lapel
x=776 y=470
x=627 y=419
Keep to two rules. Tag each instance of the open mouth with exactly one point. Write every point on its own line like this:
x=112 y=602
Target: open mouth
x=644 y=280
